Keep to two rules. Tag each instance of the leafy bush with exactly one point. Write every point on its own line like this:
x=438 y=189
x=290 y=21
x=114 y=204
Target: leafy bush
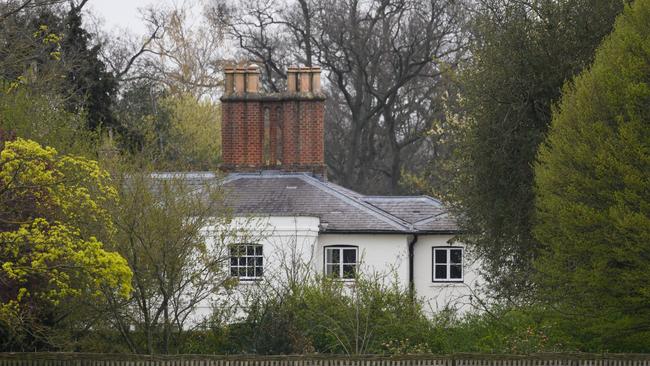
x=328 y=316
x=501 y=330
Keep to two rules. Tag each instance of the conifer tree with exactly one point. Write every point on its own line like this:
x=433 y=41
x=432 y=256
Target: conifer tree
x=593 y=192
x=524 y=51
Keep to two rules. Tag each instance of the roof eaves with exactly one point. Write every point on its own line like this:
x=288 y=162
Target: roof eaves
x=365 y=231
x=439 y=232
x=388 y=213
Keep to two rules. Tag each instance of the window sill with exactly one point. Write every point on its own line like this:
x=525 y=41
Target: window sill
x=442 y=283
x=247 y=281
x=344 y=280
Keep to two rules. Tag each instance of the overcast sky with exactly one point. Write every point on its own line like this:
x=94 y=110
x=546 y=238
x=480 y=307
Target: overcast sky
x=122 y=14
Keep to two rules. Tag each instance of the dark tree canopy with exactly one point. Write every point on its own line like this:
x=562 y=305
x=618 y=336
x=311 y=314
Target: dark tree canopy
x=522 y=54
x=93 y=87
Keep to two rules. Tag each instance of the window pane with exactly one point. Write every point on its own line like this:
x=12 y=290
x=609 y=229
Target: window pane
x=456 y=256
x=333 y=256
x=332 y=270
x=349 y=256
x=259 y=272
x=441 y=255
x=348 y=270
x=246 y=260
x=240 y=250
x=456 y=271
x=441 y=272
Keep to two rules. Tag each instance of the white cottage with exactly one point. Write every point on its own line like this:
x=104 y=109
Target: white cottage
x=273 y=153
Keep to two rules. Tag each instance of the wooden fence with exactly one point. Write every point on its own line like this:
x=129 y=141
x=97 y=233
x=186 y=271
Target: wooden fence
x=92 y=359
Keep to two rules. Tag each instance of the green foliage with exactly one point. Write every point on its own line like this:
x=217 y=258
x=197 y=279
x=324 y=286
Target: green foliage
x=501 y=330
x=174 y=132
x=31 y=50
x=52 y=220
x=47 y=49
x=178 y=264
x=329 y=316
x=43 y=118
x=593 y=202
x=195 y=132
x=522 y=54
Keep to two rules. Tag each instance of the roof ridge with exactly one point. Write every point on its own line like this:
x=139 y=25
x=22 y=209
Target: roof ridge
x=433 y=199
x=404 y=197
x=430 y=218
x=231 y=177
x=412 y=225
x=338 y=187
x=419 y=197
x=375 y=211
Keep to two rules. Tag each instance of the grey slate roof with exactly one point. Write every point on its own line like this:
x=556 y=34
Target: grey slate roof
x=339 y=209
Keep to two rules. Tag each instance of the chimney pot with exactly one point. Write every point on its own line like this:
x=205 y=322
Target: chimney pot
x=279 y=131
x=292 y=79
x=240 y=80
x=229 y=79
x=305 y=80
x=252 y=79
x=315 y=81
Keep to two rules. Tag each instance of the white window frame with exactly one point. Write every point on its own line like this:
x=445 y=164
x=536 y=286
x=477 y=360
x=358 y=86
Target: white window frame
x=340 y=264
x=246 y=257
x=448 y=264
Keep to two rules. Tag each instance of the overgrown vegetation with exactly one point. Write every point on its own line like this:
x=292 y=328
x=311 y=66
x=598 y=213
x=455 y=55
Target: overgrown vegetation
x=524 y=53
x=550 y=183
x=374 y=317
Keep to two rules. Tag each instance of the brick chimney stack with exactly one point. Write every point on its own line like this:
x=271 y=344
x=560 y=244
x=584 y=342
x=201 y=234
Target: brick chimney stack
x=275 y=131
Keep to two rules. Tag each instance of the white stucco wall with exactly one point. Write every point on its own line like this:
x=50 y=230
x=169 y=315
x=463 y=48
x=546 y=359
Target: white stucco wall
x=380 y=256
x=437 y=296
x=293 y=249
x=289 y=245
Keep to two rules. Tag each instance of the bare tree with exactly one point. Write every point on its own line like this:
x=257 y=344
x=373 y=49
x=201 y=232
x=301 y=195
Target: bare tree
x=178 y=265
x=12 y=7
x=385 y=63
x=182 y=51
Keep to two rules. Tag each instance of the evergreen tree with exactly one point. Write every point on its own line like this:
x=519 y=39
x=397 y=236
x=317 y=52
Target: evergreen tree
x=593 y=196
x=522 y=54
x=92 y=86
